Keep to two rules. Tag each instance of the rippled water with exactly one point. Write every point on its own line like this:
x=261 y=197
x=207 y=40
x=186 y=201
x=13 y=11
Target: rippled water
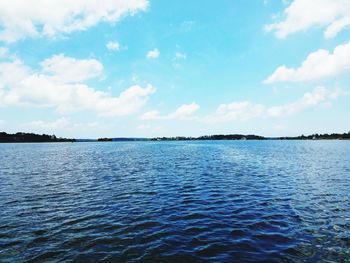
x=221 y=201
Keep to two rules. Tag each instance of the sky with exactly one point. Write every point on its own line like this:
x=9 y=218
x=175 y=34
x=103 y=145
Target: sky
x=148 y=68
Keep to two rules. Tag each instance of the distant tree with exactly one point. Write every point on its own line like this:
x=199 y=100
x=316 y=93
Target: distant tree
x=30 y=137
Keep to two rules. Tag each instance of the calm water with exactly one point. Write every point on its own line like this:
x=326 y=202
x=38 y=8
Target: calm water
x=226 y=201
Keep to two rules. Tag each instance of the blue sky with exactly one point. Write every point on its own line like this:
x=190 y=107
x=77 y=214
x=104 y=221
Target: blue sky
x=144 y=68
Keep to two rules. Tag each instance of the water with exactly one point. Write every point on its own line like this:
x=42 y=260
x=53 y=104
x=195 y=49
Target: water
x=217 y=201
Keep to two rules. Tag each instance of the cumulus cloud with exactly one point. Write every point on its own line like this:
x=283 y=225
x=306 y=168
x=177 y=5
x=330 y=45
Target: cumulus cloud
x=33 y=18
x=113 y=45
x=184 y=112
x=243 y=111
x=70 y=70
x=318 y=65
x=301 y=15
x=153 y=53
x=55 y=86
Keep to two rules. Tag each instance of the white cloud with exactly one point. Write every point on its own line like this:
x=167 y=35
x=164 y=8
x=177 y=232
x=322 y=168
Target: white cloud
x=318 y=65
x=301 y=15
x=59 y=124
x=113 y=45
x=153 y=53
x=236 y=111
x=184 y=112
x=70 y=70
x=247 y=110
x=151 y=115
x=179 y=55
x=6 y=55
x=20 y=85
x=243 y=111
x=34 y=18
x=4 y=52
x=12 y=73
x=309 y=100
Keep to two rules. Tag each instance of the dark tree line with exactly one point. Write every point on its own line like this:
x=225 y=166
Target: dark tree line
x=104 y=140
x=121 y=139
x=316 y=136
x=30 y=137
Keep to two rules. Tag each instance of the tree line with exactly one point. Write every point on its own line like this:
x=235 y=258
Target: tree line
x=30 y=137
x=316 y=136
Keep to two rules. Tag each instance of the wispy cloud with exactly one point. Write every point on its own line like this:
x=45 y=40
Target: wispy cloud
x=184 y=112
x=242 y=111
x=246 y=110
x=179 y=55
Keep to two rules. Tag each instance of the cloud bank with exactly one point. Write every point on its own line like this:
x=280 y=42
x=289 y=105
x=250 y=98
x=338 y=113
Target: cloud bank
x=60 y=84
x=246 y=110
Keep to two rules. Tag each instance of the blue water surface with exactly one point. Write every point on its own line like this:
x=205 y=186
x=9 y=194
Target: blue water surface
x=197 y=201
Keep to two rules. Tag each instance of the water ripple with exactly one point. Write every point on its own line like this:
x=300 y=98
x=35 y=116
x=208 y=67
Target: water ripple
x=252 y=201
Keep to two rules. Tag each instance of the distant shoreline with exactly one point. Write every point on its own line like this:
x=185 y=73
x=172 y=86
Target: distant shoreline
x=21 y=137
